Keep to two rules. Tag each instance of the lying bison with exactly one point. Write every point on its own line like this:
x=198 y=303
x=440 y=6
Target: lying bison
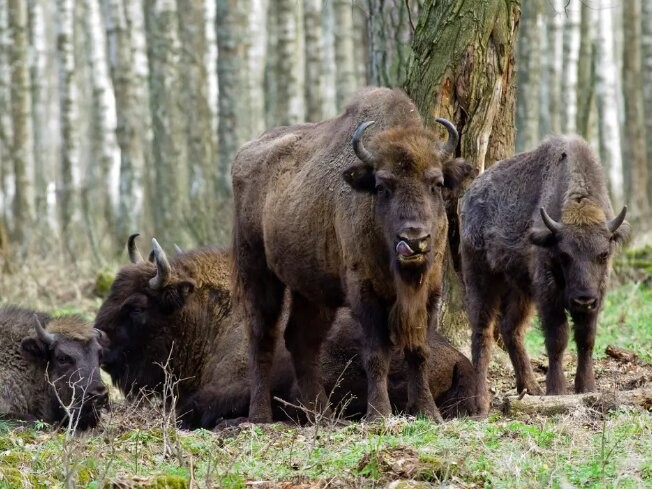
x=339 y=222
x=538 y=228
x=181 y=309
x=50 y=369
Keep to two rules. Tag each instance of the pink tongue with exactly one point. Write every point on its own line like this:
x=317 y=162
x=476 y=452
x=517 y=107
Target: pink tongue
x=403 y=249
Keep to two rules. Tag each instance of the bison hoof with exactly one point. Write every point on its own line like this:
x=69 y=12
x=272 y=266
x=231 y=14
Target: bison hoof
x=532 y=389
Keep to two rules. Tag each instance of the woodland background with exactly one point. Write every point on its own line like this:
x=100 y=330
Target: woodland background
x=122 y=116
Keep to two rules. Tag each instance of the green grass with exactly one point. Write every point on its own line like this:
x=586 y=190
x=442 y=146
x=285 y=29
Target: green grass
x=625 y=321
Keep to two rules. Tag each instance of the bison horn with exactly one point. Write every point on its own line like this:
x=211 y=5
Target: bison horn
x=360 y=151
x=44 y=336
x=134 y=254
x=177 y=249
x=550 y=223
x=615 y=223
x=162 y=266
x=453 y=136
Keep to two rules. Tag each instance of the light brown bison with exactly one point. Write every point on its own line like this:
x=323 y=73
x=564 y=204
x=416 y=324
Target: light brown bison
x=181 y=308
x=538 y=228
x=48 y=364
x=339 y=222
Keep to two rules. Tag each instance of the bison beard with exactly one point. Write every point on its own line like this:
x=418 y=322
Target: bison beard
x=515 y=255
x=210 y=347
x=337 y=223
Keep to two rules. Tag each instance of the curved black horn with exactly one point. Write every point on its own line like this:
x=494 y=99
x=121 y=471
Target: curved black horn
x=615 y=223
x=360 y=151
x=550 y=223
x=45 y=336
x=453 y=137
x=134 y=254
x=162 y=266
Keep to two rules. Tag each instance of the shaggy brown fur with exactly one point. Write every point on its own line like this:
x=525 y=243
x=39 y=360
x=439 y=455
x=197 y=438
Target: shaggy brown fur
x=27 y=364
x=209 y=348
x=512 y=260
x=312 y=217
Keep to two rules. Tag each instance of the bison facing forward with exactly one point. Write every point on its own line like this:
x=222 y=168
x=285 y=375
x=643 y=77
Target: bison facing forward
x=539 y=228
x=49 y=366
x=340 y=223
x=181 y=309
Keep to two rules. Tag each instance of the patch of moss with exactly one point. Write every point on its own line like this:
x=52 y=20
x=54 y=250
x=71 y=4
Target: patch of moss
x=103 y=281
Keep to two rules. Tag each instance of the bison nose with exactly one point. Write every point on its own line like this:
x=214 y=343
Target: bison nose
x=417 y=238
x=585 y=302
x=100 y=394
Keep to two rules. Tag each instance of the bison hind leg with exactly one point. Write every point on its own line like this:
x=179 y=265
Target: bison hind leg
x=420 y=400
x=307 y=327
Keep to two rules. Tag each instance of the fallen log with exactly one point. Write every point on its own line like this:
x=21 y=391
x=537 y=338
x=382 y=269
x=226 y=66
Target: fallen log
x=621 y=354
x=598 y=401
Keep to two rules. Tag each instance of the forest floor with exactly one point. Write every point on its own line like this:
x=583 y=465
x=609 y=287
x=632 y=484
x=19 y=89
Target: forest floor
x=138 y=446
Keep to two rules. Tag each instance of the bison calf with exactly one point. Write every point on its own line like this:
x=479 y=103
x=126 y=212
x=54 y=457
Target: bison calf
x=181 y=309
x=50 y=369
x=538 y=228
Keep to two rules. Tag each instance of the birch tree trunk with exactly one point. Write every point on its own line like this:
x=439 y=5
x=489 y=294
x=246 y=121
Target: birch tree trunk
x=570 y=57
x=606 y=96
x=257 y=56
x=38 y=77
x=233 y=80
x=168 y=121
x=289 y=105
x=104 y=152
x=463 y=69
x=21 y=109
x=6 y=162
x=585 y=71
x=553 y=59
x=345 y=81
x=634 y=149
x=67 y=198
x=129 y=129
x=646 y=47
x=313 y=92
x=329 y=108
x=194 y=85
x=528 y=75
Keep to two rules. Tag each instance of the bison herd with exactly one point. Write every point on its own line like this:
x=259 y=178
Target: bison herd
x=339 y=237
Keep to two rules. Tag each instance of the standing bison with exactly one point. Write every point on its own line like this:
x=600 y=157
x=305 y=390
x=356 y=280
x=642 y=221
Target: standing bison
x=340 y=222
x=181 y=309
x=50 y=368
x=538 y=228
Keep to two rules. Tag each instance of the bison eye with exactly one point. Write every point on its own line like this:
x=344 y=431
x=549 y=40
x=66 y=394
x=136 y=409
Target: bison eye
x=382 y=191
x=64 y=359
x=603 y=257
x=565 y=258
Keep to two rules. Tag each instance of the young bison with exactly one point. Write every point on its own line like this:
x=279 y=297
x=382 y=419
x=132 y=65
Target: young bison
x=181 y=309
x=538 y=228
x=340 y=223
x=48 y=363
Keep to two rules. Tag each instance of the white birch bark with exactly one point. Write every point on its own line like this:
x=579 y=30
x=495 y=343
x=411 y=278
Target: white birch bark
x=6 y=163
x=646 y=51
x=329 y=107
x=211 y=65
x=257 y=56
x=570 y=57
x=606 y=96
x=313 y=55
x=289 y=106
x=553 y=58
x=344 y=51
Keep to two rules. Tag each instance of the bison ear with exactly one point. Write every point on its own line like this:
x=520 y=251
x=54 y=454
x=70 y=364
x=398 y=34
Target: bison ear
x=185 y=288
x=360 y=177
x=542 y=237
x=34 y=350
x=621 y=235
x=456 y=172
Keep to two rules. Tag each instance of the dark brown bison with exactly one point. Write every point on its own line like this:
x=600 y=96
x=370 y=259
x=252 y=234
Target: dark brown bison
x=342 y=223
x=181 y=309
x=538 y=228
x=49 y=366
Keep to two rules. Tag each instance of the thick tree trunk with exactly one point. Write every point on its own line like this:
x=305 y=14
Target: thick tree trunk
x=634 y=151
x=646 y=47
x=345 y=80
x=313 y=92
x=606 y=100
x=257 y=56
x=168 y=121
x=553 y=63
x=129 y=130
x=329 y=109
x=570 y=57
x=289 y=104
x=232 y=76
x=585 y=71
x=21 y=111
x=528 y=75
x=472 y=85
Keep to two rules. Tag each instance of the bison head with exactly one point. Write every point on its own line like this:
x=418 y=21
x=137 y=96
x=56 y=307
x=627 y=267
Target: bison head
x=70 y=353
x=410 y=175
x=135 y=316
x=580 y=247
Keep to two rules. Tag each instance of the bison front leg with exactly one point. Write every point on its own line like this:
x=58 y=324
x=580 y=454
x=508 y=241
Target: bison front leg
x=585 y=329
x=420 y=400
x=555 y=329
